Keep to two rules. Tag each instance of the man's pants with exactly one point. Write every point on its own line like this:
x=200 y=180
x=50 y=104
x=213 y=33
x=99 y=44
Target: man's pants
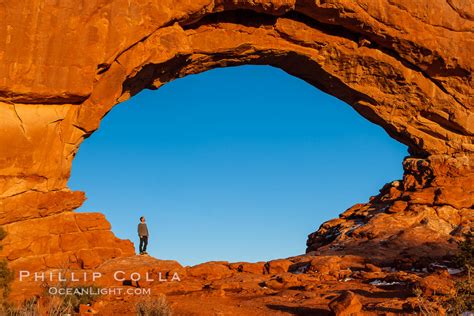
x=143 y=243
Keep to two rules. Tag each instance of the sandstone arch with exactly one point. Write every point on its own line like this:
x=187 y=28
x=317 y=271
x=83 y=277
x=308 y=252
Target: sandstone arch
x=404 y=66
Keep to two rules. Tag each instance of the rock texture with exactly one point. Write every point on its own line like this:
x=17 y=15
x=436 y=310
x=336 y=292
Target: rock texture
x=346 y=305
x=411 y=221
x=403 y=65
x=308 y=285
x=66 y=240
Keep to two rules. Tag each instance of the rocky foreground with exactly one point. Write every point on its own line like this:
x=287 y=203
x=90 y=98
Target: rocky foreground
x=301 y=285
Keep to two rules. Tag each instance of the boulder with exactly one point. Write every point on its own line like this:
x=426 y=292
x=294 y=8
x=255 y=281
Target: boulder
x=346 y=304
x=277 y=266
x=249 y=267
x=210 y=270
x=439 y=283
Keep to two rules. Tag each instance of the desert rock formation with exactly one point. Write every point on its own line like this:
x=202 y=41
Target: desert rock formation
x=403 y=65
x=301 y=285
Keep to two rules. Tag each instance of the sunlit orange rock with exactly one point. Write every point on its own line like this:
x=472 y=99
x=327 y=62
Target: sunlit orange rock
x=210 y=270
x=404 y=65
x=346 y=304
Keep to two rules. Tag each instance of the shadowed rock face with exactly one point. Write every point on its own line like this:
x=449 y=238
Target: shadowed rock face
x=403 y=65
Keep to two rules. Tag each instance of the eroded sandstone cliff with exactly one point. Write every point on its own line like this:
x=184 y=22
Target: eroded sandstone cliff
x=404 y=65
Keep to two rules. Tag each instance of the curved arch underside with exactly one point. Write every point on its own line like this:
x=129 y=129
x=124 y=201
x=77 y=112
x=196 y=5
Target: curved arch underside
x=395 y=63
x=386 y=87
x=403 y=65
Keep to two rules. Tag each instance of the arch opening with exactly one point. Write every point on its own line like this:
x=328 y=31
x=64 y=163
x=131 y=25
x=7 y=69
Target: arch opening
x=224 y=161
x=380 y=83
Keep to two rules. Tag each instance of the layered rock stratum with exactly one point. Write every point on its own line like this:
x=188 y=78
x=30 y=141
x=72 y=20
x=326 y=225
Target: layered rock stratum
x=404 y=65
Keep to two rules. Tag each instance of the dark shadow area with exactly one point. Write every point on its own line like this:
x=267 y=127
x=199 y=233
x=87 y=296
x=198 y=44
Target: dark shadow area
x=397 y=293
x=382 y=310
x=300 y=311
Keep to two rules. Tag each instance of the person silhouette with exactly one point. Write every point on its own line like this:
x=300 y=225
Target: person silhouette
x=143 y=235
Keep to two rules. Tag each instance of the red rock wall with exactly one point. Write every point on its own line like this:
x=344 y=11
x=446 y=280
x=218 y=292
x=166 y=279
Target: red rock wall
x=63 y=65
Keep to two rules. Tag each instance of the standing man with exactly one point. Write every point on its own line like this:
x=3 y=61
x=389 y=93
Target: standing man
x=143 y=234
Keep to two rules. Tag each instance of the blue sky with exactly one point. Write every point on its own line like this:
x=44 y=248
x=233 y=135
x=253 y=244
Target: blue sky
x=237 y=164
